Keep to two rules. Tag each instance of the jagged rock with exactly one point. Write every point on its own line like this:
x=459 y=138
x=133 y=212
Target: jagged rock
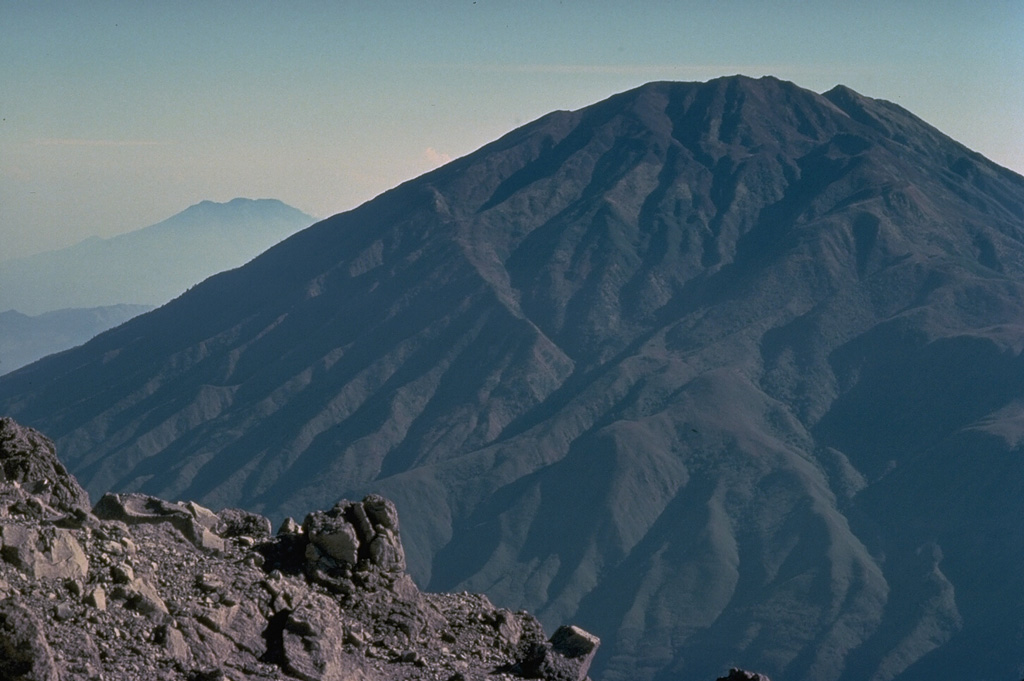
x=122 y=574
x=143 y=598
x=386 y=552
x=311 y=645
x=241 y=623
x=203 y=515
x=47 y=553
x=97 y=598
x=210 y=582
x=575 y=644
x=191 y=519
x=510 y=630
x=743 y=675
x=173 y=643
x=331 y=535
x=566 y=657
x=28 y=458
x=354 y=537
x=24 y=653
x=235 y=522
x=381 y=511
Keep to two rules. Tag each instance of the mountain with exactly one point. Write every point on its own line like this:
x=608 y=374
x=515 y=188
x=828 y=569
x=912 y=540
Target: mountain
x=148 y=266
x=728 y=373
x=24 y=339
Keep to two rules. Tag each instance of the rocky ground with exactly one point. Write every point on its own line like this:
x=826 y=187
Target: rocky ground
x=140 y=588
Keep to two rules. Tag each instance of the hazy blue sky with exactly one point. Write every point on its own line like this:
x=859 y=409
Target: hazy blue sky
x=115 y=115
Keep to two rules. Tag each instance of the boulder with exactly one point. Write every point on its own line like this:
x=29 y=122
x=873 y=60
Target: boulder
x=97 y=598
x=576 y=644
x=311 y=643
x=28 y=458
x=743 y=675
x=45 y=553
x=289 y=526
x=24 y=653
x=195 y=522
x=241 y=623
x=565 y=657
x=381 y=511
x=333 y=536
x=361 y=536
x=235 y=522
x=173 y=643
x=143 y=598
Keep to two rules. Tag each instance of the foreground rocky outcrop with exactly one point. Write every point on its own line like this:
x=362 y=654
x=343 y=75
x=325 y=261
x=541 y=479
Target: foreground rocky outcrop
x=142 y=588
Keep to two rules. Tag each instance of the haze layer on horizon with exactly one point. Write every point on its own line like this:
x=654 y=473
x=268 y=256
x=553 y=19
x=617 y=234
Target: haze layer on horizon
x=116 y=115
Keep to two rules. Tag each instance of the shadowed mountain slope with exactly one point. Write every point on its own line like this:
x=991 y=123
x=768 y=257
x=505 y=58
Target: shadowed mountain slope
x=729 y=373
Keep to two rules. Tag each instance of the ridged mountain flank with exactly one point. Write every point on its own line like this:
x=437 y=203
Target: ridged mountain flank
x=727 y=373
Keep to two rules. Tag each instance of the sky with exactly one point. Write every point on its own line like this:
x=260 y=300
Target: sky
x=117 y=115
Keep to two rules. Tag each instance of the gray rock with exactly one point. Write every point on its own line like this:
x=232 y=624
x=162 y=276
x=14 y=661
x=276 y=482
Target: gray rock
x=122 y=574
x=381 y=511
x=743 y=675
x=173 y=642
x=359 y=537
x=242 y=624
x=28 y=457
x=356 y=514
x=566 y=657
x=24 y=653
x=575 y=643
x=333 y=535
x=386 y=552
x=235 y=522
x=63 y=611
x=144 y=599
x=202 y=515
x=97 y=598
x=210 y=582
x=48 y=553
x=192 y=520
x=308 y=644
x=289 y=526
x=509 y=628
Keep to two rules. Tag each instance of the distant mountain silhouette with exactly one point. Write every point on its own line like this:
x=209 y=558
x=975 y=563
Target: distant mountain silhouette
x=148 y=266
x=24 y=339
x=728 y=373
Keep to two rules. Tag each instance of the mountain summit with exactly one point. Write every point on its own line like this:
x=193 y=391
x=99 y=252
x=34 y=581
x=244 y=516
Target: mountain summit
x=151 y=265
x=729 y=373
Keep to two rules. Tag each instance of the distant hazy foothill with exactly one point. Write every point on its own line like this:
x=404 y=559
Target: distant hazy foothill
x=148 y=266
x=727 y=373
x=24 y=338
